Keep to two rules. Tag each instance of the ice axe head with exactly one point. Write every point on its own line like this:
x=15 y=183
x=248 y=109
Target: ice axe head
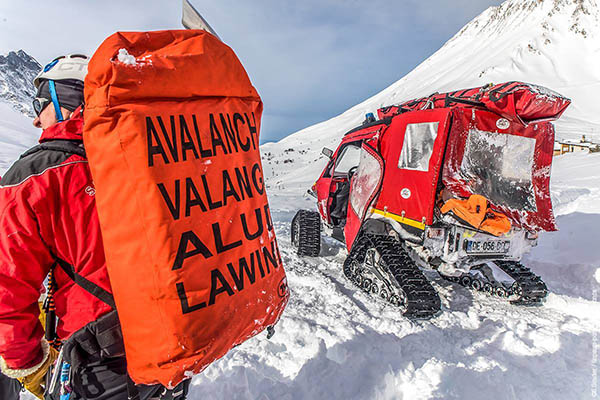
x=191 y=19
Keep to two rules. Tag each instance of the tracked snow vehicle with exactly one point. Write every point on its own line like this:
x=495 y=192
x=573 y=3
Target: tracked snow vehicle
x=457 y=182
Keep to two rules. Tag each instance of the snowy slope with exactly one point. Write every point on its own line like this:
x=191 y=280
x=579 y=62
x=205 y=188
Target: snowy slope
x=17 y=134
x=554 y=43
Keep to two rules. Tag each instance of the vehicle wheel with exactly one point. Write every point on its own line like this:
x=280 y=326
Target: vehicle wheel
x=306 y=233
x=476 y=284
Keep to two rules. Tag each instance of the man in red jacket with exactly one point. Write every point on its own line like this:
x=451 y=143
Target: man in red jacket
x=49 y=225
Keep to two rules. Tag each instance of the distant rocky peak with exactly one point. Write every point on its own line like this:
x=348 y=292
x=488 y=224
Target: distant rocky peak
x=17 y=70
x=582 y=16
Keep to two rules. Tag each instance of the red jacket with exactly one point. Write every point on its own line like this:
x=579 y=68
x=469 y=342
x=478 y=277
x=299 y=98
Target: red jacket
x=47 y=210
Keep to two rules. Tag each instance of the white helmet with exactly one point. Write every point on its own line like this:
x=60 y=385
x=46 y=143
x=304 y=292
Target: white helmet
x=72 y=66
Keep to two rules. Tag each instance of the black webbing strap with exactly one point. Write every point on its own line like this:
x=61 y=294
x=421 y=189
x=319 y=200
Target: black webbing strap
x=450 y=99
x=492 y=95
x=87 y=285
x=132 y=391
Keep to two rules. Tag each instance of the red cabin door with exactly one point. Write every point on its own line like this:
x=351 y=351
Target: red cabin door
x=364 y=186
x=413 y=149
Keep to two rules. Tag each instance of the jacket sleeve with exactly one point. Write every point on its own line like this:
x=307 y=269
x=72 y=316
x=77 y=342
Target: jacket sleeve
x=25 y=262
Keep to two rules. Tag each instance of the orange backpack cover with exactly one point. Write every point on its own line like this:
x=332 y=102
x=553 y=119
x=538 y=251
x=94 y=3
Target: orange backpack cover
x=172 y=126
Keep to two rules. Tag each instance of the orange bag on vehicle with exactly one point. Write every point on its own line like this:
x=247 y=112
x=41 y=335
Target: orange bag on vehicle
x=476 y=212
x=172 y=126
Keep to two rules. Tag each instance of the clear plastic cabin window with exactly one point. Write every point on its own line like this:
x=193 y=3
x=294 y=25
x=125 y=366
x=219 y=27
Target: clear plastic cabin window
x=418 y=146
x=499 y=166
x=349 y=158
x=364 y=182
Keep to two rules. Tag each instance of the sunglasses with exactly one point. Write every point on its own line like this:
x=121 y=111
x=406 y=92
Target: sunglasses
x=39 y=103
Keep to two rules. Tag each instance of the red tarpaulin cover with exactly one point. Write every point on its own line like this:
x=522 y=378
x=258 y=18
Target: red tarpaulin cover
x=516 y=101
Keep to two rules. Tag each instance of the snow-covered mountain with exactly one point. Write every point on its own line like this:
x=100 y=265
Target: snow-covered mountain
x=554 y=43
x=17 y=70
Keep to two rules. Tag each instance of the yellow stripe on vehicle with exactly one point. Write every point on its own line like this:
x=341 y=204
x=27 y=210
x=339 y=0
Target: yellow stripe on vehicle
x=401 y=219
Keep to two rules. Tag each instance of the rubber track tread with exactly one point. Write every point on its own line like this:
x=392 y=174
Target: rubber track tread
x=423 y=301
x=309 y=240
x=534 y=289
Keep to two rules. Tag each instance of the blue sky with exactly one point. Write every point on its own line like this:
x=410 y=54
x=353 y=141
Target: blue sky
x=310 y=60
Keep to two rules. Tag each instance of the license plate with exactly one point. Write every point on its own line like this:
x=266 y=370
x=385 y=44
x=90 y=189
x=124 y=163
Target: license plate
x=487 y=246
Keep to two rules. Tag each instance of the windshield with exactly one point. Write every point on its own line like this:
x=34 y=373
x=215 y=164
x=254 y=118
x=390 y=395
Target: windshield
x=499 y=167
x=347 y=160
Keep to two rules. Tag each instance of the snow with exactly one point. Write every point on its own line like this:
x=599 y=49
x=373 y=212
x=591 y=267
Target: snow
x=125 y=58
x=334 y=342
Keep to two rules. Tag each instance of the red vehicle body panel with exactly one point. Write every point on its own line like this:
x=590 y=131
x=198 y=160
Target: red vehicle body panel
x=409 y=192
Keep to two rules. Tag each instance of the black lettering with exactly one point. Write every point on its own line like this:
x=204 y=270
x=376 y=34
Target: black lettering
x=185 y=305
x=252 y=128
x=259 y=225
x=203 y=152
x=215 y=136
x=221 y=248
x=257 y=179
x=238 y=277
x=244 y=182
x=229 y=134
x=238 y=118
x=187 y=143
x=190 y=189
x=171 y=143
x=154 y=149
x=183 y=253
x=268 y=217
x=270 y=257
x=211 y=205
x=228 y=189
x=174 y=209
x=216 y=277
x=260 y=266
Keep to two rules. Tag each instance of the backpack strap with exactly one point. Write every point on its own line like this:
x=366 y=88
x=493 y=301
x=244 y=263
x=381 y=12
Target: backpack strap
x=86 y=284
x=62 y=145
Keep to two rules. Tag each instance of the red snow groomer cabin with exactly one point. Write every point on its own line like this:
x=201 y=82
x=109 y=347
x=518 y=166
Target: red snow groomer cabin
x=455 y=181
